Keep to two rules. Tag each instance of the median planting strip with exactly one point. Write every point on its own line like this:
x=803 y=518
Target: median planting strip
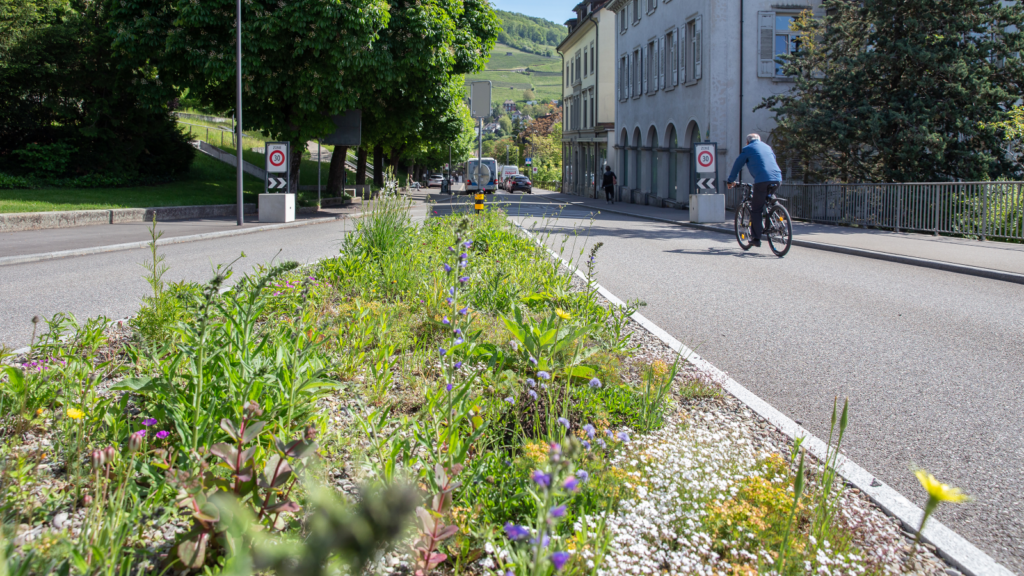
x=451 y=376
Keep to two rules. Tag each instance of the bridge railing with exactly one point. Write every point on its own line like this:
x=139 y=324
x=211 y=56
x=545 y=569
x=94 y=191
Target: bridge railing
x=971 y=209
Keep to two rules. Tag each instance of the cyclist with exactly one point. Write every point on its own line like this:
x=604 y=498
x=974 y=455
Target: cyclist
x=760 y=160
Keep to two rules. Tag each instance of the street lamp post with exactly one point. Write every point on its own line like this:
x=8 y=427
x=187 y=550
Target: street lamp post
x=238 y=107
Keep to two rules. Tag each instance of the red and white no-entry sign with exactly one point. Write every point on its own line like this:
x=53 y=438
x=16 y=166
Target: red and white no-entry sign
x=277 y=157
x=705 y=157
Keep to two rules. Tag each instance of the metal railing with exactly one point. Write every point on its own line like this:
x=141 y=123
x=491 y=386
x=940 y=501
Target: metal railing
x=971 y=209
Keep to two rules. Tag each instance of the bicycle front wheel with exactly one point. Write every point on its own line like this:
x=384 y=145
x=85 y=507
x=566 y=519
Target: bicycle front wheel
x=742 y=225
x=780 y=230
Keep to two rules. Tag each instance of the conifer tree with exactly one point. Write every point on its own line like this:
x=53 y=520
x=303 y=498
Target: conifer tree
x=903 y=90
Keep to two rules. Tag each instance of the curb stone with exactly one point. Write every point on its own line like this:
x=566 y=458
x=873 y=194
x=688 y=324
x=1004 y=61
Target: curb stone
x=24 y=259
x=952 y=547
x=897 y=258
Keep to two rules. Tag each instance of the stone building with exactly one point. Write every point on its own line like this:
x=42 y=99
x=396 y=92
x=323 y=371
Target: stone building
x=689 y=71
x=588 y=88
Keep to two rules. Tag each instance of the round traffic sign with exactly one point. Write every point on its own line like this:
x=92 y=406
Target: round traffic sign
x=705 y=159
x=277 y=158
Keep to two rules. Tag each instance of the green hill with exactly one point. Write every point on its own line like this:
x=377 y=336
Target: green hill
x=512 y=72
x=529 y=34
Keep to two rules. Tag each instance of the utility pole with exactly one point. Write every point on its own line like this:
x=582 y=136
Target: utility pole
x=238 y=107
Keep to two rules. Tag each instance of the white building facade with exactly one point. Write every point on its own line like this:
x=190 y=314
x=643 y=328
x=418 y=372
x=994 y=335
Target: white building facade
x=689 y=71
x=588 y=88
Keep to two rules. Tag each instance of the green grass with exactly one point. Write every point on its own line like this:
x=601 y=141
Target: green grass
x=500 y=58
x=207 y=182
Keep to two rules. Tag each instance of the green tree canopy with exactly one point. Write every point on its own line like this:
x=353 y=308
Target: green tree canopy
x=903 y=91
x=529 y=34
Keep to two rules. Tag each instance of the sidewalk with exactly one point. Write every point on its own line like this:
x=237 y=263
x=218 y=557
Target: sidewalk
x=989 y=255
x=29 y=242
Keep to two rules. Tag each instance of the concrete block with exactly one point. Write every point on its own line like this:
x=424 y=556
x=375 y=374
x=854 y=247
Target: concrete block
x=42 y=220
x=278 y=208
x=707 y=208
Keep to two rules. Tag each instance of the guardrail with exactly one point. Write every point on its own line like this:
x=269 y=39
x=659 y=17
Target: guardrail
x=972 y=209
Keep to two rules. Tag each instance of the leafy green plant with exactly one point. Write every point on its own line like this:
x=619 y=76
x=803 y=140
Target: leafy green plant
x=433 y=530
x=827 y=499
x=46 y=160
x=798 y=490
x=21 y=397
x=259 y=479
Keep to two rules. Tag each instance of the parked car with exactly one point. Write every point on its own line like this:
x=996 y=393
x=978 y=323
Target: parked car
x=435 y=180
x=506 y=184
x=520 y=182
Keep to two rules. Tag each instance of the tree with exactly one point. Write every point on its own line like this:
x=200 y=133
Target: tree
x=505 y=123
x=903 y=91
x=529 y=95
x=68 y=109
x=302 y=60
x=418 y=89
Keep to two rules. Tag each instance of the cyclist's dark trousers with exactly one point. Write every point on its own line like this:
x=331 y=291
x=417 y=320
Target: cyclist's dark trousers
x=609 y=193
x=760 y=196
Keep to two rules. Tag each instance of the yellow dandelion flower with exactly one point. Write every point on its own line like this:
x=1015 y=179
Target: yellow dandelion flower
x=562 y=314
x=938 y=490
x=75 y=414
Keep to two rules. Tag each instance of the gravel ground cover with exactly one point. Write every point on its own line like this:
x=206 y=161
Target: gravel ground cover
x=438 y=399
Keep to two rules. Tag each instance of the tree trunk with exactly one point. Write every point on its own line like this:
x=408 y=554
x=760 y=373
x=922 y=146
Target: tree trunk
x=361 y=166
x=378 y=165
x=298 y=149
x=336 y=174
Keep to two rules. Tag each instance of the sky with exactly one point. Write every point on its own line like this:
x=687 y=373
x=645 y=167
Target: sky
x=558 y=11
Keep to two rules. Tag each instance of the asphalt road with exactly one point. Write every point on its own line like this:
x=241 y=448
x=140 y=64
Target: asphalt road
x=932 y=362
x=112 y=284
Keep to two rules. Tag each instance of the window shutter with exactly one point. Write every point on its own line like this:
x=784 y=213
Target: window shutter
x=661 y=62
x=697 y=37
x=682 y=55
x=629 y=75
x=644 y=58
x=618 y=85
x=765 y=44
x=674 y=50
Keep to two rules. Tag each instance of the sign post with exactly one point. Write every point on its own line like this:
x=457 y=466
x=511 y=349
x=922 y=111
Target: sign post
x=276 y=204
x=480 y=108
x=707 y=204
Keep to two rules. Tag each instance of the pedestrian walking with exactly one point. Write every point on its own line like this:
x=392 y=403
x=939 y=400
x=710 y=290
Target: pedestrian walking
x=608 y=182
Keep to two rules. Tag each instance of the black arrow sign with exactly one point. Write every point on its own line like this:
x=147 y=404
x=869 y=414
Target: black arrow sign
x=276 y=183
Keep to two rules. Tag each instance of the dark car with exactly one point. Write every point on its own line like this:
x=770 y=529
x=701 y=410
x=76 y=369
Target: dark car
x=520 y=182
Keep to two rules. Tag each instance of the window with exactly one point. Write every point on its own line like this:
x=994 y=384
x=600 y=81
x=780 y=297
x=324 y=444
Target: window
x=622 y=86
x=584 y=111
x=645 y=57
x=592 y=69
x=651 y=5
x=775 y=38
x=622 y=20
x=636 y=10
x=593 y=120
x=585 y=62
x=577 y=66
x=671 y=58
x=693 y=57
x=567 y=76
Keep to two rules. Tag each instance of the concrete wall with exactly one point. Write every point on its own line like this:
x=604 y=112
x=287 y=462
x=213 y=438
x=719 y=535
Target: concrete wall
x=20 y=221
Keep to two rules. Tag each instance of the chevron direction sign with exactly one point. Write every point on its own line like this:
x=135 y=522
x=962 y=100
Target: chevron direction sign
x=278 y=166
x=706 y=183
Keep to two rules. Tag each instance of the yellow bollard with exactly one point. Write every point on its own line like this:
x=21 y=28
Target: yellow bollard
x=479 y=205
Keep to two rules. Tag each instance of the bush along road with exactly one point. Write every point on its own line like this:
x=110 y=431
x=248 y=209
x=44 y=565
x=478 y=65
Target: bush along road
x=440 y=398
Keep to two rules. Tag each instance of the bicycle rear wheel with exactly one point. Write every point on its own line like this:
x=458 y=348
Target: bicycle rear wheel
x=780 y=230
x=742 y=225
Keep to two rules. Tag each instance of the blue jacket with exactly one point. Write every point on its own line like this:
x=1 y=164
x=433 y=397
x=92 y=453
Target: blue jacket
x=760 y=160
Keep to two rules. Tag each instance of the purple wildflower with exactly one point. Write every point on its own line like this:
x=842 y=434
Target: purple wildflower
x=623 y=437
x=163 y=434
x=457 y=341
x=464 y=311
x=467 y=243
x=558 y=559
x=445 y=320
x=589 y=429
x=448 y=387
x=463 y=279
x=448 y=300
x=447 y=268
x=571 y=484
x=531 y=382
x=516 y=532
x=510 y=400
x=564 y=423
x=543 y=542
x=543 y=480
x=533 y=360
x=442 y=351
x=463 y=256
x=543 y=375
x=586 y=445
x=582 y=475
x=457 y=365
x=600 y=442
x=557 y=511
x=595 y=383
x=532 y=394
x=149 y=421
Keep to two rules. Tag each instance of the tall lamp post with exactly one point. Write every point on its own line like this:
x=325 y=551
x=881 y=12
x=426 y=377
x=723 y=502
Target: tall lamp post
x=238 y=106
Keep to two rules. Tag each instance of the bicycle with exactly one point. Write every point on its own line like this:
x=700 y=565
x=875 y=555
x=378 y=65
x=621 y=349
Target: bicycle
x=778 y=226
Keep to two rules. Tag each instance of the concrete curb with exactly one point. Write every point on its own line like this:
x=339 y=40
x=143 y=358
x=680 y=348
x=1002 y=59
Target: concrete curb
x=11 y=260
x=954 y=548
x=24 y=221
x=897 y=258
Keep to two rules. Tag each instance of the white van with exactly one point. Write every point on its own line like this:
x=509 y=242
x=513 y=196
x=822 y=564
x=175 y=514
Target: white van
x=486 y=187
